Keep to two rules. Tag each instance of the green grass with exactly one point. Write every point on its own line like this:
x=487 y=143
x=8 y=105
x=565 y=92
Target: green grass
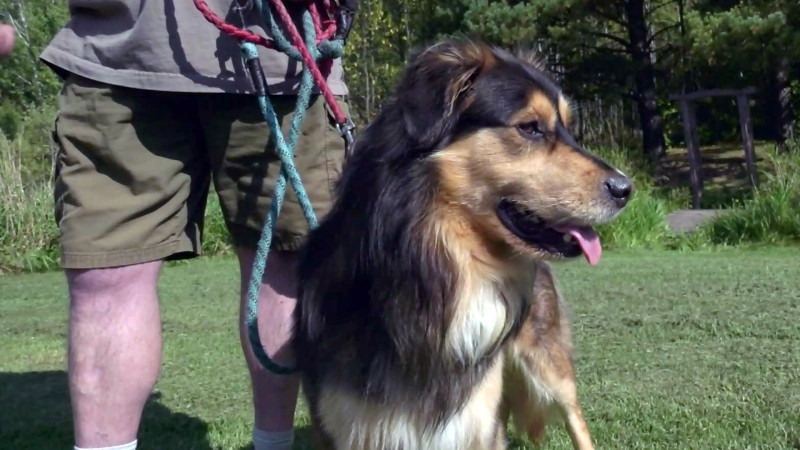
x=675 y=351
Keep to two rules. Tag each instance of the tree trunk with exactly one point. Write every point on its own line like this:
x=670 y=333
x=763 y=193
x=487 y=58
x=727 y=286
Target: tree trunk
x=646 y=97
x=786 y=122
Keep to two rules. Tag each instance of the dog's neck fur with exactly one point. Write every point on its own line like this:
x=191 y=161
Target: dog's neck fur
x=493 y=286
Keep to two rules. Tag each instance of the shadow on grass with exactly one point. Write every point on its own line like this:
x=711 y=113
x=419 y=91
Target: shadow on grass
x=36 y=414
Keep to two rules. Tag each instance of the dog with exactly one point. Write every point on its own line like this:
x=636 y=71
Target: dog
x=428 y=315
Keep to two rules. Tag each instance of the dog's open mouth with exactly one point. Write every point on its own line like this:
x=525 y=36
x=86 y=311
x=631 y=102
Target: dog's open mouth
x=566 y=241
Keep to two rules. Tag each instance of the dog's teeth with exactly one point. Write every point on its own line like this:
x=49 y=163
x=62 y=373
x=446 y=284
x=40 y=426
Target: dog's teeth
x=567 y=237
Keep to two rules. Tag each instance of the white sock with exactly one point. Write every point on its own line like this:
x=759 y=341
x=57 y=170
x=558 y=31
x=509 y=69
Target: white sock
x=129 y=446
x=266 y=440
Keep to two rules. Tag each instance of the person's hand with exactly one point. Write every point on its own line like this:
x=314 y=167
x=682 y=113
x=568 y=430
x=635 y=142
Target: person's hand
x=6 y=40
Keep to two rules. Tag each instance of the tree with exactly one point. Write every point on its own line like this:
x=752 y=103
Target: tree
x=384 y=34
x=605 y=44
x=754 y=41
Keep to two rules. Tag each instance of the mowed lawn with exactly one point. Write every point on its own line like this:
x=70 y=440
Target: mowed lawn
x=676 y=351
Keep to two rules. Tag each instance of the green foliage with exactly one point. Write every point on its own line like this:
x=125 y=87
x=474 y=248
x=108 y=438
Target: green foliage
x=24 y=79
x=643 y=224
x=28 y=236
x=586 y=44
x=10 y=119
x=760 y=31
x=383 y=36
x=772 y=215
x=739 y=43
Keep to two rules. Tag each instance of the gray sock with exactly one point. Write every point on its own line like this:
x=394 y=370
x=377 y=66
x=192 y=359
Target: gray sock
x=275 y=440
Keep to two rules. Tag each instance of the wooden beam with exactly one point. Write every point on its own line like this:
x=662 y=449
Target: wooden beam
x=693 y=147
x=743 y=101
x=713 y=93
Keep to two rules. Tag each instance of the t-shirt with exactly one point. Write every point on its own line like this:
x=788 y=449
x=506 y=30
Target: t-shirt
x=167 y=45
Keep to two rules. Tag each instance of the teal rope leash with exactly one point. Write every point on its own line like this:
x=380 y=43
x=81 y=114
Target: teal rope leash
x=285 y=149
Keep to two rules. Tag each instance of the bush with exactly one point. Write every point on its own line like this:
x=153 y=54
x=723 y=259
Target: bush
x=772 y=215
x=10 y=120
x=28 y=237
x=643 y=224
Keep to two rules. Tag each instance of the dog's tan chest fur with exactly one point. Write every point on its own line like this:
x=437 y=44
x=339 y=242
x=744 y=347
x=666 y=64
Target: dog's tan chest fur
x=357 y=424
x=478 y=324
x=491 y=288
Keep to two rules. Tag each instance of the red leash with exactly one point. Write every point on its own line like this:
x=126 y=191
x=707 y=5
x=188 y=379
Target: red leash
x=324 y=29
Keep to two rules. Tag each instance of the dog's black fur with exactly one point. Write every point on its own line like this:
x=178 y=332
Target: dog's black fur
x=376 y=295
x=367 y=253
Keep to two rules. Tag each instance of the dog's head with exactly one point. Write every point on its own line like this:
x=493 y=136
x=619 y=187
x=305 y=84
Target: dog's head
x=498 y=125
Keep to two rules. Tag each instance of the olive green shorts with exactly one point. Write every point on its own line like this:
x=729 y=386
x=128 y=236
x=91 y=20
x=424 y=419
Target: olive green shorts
x=134 y=170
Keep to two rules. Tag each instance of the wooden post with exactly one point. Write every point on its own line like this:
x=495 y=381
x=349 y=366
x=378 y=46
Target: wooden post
x=693 y=141
x=693 y=147
x=746 y=124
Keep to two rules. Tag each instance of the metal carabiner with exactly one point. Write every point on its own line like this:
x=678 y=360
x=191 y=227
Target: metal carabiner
x=346 y=131
x=345 y=15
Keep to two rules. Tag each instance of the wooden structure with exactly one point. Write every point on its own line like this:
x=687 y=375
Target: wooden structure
x=693 y=142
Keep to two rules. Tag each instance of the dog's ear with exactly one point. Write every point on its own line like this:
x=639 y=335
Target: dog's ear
x=436 y=87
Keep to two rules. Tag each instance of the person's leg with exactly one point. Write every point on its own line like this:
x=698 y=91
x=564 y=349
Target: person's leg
x=114 y=351
x=128 y=191
x=274 y=396
x=245 y=179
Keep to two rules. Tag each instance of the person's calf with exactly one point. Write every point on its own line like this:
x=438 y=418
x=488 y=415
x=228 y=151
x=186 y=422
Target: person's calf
x=114 y=351
x=274 y=396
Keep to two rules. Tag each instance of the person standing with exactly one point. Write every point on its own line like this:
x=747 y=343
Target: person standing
x=156 y=106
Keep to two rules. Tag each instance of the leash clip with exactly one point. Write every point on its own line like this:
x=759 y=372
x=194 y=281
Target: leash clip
x=346 y=131
x=345 y=15
x=242 y=5
x=240 y=8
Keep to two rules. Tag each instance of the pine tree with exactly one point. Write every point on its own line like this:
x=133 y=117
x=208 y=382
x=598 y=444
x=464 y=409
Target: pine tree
x=756 y=41
x=606 y=46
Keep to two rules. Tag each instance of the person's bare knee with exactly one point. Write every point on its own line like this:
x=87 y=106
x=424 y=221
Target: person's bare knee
x=105 y=303
x=115 y=280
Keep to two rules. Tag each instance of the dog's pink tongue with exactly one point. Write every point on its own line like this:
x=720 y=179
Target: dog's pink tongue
x=588 y=240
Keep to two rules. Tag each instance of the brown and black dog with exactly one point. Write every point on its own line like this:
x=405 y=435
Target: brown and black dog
x=428 y=315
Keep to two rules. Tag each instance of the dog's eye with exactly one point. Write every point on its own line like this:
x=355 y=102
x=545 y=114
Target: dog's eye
x=530 y=129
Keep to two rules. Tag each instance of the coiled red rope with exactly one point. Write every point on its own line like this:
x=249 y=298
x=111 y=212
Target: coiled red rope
x=325 y=29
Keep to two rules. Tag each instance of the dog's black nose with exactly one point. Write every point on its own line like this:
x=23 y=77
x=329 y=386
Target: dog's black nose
x=620 y=188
